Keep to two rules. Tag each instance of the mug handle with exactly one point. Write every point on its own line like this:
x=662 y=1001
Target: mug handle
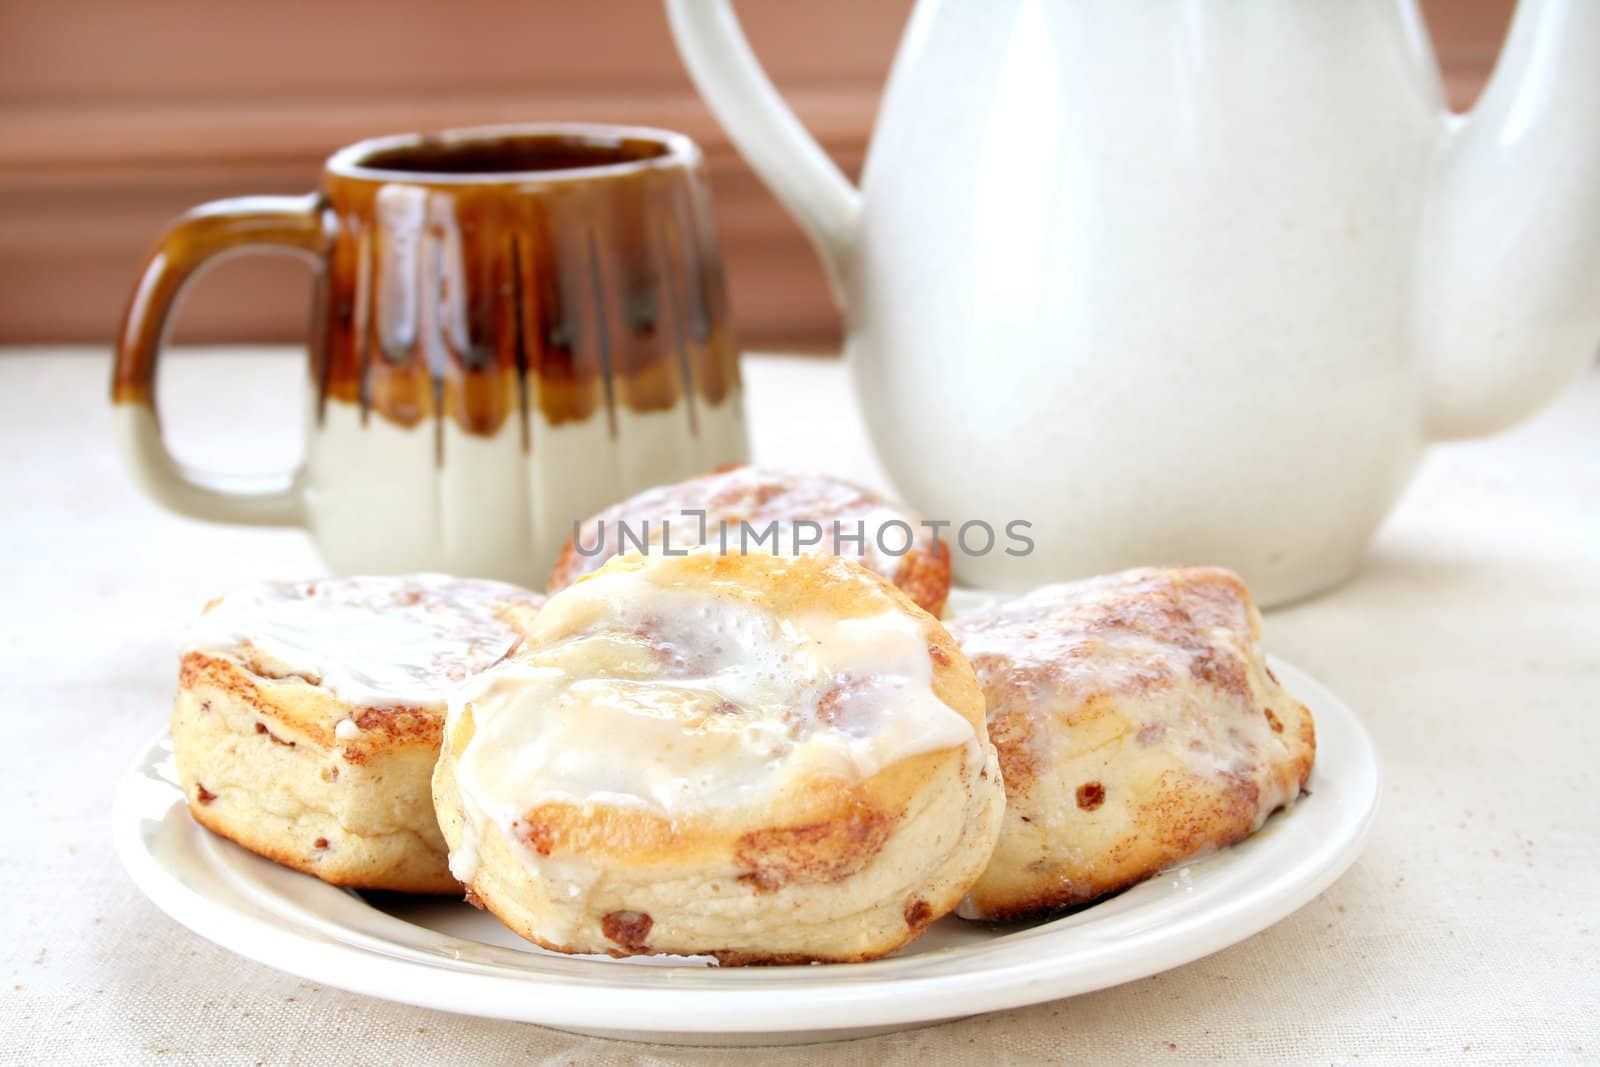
x=201 y=237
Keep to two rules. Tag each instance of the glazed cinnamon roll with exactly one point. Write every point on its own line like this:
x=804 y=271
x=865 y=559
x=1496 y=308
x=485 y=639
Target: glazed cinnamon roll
x=759 y=758
x=1138 y=725
x=743 y=509
x=308 y=718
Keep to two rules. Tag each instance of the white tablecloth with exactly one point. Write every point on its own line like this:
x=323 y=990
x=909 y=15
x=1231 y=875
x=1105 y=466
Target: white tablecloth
x=1469 y=643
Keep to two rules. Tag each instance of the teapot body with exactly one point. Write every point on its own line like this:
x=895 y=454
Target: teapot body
x=1191 y=280
x=1146 y=281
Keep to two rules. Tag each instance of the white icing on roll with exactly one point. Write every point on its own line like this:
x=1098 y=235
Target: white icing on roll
x=1140 y=642
x=681 y=699
x=464 y=857
x=371 y=642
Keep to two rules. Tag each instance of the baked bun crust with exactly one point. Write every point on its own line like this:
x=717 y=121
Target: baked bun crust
x=309 y=714
x=1138 y=725
x=759 y=758
x=760 y=496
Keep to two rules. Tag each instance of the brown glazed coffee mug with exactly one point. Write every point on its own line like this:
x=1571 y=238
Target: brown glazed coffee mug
x=513 y=327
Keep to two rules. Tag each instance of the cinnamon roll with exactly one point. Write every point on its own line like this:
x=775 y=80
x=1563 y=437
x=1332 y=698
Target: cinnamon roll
x=759 y=758
x=1138 y=725
x=308 y=718
x=745 y=509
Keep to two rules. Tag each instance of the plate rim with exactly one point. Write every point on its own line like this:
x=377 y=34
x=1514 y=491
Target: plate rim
x=749 y=1006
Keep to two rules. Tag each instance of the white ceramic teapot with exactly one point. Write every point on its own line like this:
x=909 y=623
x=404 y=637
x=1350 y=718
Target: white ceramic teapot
x=1191 y=280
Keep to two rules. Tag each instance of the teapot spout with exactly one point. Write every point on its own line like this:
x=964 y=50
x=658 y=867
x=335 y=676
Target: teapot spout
x=1508 y=306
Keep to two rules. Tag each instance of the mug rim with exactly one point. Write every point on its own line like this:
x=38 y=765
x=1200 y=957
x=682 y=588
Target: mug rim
x=678 y=151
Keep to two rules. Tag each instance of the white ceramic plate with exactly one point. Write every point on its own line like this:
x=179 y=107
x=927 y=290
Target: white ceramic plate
x=444 y=954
